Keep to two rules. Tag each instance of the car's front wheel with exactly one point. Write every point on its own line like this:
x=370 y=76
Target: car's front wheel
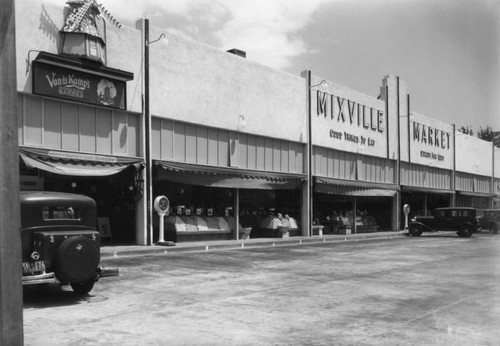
x=83 y=287
x=415 y=230
x=465 y=231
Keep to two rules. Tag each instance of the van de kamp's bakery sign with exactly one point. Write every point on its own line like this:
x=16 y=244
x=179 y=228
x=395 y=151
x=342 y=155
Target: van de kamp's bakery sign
x=72 y=85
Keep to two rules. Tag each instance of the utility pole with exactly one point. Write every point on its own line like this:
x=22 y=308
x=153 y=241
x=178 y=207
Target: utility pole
x=11 y=299
x=148 y=182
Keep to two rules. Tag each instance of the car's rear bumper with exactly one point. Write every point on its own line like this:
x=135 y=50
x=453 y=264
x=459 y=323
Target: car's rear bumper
x=46 y=278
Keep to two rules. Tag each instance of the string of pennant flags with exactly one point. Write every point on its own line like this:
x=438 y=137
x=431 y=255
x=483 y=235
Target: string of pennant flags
x=108 y=15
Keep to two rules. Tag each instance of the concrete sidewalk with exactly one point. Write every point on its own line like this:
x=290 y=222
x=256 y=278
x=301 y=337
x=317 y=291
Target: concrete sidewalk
x=138 y=250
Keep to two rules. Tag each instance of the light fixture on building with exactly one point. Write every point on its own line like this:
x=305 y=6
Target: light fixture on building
x=323 y=84
x=242 y=123
x=161 y=37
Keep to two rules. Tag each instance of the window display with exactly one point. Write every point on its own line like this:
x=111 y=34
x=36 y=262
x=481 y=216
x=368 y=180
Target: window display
x=199 y=211
x=336 y=213
x=344 y=222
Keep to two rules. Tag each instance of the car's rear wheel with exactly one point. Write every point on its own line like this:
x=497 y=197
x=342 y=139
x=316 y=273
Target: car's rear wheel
x=465 y=231
x=415 y=230
x=83 y=287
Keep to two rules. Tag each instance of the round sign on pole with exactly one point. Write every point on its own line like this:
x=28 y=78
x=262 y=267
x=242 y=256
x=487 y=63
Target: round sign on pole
x=161 y=205
x=406 y=209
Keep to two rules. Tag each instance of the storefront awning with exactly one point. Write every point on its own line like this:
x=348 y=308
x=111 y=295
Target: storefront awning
x=77 y=164
x=474 y=194
x=192 y=174
x=353 y=188
x=426 y=190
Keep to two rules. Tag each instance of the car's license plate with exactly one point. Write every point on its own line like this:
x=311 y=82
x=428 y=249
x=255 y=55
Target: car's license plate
x=33 y=267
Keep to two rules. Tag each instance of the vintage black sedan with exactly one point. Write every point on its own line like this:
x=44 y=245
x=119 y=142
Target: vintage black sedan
x=60 y=242
x=463 y=221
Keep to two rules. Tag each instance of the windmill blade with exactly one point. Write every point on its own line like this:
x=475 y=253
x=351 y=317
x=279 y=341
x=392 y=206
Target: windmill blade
x=80 y=14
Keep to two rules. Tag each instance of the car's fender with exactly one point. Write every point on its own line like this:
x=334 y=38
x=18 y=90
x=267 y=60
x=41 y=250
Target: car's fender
x=422 y=226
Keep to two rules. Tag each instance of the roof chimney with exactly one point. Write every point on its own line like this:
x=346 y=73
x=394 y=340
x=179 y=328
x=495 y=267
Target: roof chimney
x=238 y=52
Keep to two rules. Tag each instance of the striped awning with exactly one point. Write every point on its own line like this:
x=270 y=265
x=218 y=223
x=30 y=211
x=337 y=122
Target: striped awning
x=426 y=189
x=74 y=163
x=353 y=188
x=474 y=194
x=204 y=175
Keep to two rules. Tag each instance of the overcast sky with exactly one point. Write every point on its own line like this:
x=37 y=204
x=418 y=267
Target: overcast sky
x=447 y=51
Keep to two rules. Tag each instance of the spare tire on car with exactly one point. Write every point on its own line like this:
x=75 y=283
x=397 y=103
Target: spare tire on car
x=77 y=260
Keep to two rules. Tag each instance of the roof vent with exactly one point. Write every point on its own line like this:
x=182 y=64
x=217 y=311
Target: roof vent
x=238 y=52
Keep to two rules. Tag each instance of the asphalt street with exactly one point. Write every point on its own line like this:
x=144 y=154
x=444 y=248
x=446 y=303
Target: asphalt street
x=438 y=289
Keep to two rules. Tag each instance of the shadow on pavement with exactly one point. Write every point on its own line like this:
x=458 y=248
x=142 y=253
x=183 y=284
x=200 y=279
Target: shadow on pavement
x=51 y=295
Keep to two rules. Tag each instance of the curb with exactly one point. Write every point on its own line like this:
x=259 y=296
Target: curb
x=109 y=252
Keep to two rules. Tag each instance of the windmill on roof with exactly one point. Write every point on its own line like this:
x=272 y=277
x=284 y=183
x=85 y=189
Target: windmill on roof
x=83 y=34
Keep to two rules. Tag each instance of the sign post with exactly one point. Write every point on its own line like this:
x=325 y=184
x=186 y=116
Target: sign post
x=406 y=210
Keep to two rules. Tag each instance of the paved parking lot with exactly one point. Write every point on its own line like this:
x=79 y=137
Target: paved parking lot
x=433 y=290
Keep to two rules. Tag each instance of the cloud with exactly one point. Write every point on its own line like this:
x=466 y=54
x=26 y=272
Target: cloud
x=268 y=30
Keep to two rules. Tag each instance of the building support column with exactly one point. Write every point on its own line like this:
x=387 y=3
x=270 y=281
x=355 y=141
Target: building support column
x=425 y=204
x=396 y=211
x=307 y=220
x=390 y=93
x=453 y=173
x=398 y=161
x=236 y=209
x=492 y=186
x=140 y=210
x=354 y=209
x=304 y=226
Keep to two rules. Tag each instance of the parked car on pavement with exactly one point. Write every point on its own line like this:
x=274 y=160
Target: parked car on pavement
x=489 y=219
x=60 y=242
x=461 y=220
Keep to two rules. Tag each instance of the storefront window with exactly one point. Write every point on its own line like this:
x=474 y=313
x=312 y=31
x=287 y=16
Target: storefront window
x=352 y=214
x=268 y=211
x=196 y=210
